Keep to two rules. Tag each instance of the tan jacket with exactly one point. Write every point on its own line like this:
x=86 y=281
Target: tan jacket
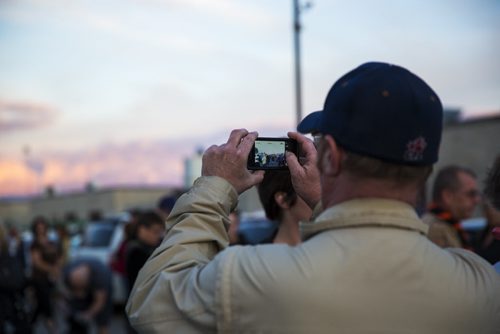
x=367 y=267
x=441 y=233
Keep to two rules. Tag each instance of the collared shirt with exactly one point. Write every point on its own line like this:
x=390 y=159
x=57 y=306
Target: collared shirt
x=376 y=211
x=366 y=267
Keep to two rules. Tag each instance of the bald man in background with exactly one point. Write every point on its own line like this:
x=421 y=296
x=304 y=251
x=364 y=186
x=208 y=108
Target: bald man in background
x=88 y=283
x=455 y=196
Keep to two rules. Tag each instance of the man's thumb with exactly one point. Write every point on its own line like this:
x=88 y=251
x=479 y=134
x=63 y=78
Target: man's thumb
x=257 y=177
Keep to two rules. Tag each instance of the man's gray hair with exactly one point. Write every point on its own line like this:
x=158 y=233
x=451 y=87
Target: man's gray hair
x=364 y=166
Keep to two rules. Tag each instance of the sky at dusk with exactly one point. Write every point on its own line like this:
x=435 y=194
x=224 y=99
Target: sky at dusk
x=121 y=92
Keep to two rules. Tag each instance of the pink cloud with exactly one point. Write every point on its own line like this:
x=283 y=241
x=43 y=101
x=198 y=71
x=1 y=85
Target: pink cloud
x=23 y=115
x=151 y=163
x=159 y=162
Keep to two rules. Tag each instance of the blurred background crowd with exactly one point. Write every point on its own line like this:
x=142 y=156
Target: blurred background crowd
x=76 y=277
x=116 y=98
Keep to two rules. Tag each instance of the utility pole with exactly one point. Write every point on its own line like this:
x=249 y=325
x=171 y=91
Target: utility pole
x=297 y=9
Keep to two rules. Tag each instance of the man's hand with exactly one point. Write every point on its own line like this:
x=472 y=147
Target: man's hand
x=305 y=177
x=229 y=161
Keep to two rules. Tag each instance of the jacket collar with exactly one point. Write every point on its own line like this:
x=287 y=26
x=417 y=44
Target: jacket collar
x=366 y=212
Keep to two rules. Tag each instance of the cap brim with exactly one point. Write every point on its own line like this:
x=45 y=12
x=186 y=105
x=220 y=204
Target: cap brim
x=311 y=123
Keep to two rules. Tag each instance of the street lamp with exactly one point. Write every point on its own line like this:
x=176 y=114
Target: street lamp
x=297 y=9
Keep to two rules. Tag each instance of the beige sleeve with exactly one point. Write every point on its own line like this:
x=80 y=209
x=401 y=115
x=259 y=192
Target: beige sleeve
x=176 y=289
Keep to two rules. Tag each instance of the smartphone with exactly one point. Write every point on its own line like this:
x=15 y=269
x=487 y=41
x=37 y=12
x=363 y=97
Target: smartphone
x=269 y=153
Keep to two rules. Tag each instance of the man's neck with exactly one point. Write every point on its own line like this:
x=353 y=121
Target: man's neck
x=288 y=232
x=347 y=188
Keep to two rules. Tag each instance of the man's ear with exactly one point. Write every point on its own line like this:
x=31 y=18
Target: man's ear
x=331 y=157
x=280 y=199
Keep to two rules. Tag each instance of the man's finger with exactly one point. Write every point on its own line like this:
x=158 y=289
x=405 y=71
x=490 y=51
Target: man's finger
x=247 y=142
x=236 y=136
x=310 y=152
x=306 y=146
x=300 y=138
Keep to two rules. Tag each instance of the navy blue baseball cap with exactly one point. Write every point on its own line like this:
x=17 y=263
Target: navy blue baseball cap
x=383 y=111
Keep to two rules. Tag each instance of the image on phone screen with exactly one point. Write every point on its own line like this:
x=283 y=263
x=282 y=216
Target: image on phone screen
x=269 y=153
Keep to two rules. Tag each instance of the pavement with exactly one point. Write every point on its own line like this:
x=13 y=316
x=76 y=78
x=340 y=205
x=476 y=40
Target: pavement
x=118 y=324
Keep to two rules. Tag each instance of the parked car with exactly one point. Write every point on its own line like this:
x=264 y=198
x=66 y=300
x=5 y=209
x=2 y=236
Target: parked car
x=100 y=240
x=254 y=228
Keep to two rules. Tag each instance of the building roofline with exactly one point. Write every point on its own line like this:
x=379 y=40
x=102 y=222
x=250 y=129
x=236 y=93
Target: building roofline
x=80 y=192
x=475 y=120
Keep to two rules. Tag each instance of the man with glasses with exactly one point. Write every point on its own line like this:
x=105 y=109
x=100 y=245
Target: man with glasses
x=455 y=195
x=365 y=265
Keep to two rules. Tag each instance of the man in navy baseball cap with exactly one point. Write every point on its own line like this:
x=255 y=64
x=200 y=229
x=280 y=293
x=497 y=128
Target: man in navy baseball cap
x=383 y=111
x=365 y=264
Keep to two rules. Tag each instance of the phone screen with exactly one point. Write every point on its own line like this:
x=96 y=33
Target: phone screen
x=269 y=153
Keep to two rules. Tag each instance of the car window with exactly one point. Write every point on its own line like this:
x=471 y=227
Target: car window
x=98 y=235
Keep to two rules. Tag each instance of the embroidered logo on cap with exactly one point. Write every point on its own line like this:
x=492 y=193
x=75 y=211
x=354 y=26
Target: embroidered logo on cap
x=415 y=149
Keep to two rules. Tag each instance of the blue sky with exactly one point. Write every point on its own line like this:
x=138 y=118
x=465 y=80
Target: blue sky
x=137 y=76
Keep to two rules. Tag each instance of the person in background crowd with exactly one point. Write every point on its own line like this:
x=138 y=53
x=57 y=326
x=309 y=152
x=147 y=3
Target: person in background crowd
x=282 y=205
x=365 y=266
x=89 y=295
x=95 y=215
x=15 y=243
x=492 y=189
x=118 y=260
x=149 y=233
x=165 y=205
x=455 y=195
x=488 y=247
x=13 y=316
x=492 y=192
x=64 y=242
x=118 y=263
x=46 y=262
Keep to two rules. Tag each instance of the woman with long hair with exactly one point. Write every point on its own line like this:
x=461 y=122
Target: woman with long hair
x=46 y=265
